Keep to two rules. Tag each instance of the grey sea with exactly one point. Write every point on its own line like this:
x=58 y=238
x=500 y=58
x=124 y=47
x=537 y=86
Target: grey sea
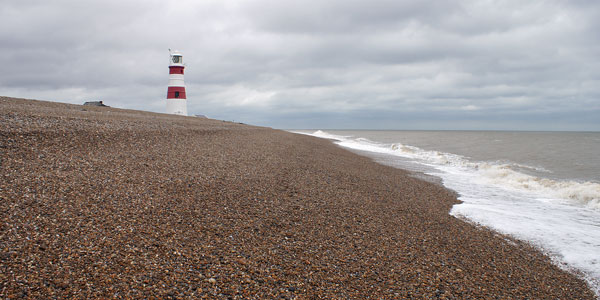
x=541 y=187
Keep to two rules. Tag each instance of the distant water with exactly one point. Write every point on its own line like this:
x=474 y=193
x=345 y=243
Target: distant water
x=542 y=187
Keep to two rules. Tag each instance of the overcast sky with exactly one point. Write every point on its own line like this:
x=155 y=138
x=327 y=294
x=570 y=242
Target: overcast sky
x=377 y=64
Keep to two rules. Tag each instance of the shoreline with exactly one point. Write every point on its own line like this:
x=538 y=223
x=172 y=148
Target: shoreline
x=105 y=202
x=433 y=175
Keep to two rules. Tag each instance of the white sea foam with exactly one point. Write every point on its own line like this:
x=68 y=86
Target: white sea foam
x=504 y=175
x=560 y=216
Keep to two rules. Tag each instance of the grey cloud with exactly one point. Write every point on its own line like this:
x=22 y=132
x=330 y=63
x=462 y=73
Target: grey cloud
x=376 y=64
x=335 y=17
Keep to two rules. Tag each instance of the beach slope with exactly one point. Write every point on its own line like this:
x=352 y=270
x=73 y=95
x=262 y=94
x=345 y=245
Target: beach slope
x=99 y=202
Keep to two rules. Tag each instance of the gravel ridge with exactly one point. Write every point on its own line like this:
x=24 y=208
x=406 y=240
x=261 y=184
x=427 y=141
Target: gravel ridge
x=100 y=202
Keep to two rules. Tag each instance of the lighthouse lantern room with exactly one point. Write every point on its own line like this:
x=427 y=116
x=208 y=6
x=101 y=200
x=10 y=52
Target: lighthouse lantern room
x=176 y=99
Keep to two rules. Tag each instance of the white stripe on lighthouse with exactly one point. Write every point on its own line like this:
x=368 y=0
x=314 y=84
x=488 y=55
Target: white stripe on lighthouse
x=176 y=80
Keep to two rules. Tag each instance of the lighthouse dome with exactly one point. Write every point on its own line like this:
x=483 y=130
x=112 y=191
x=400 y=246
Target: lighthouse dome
x=176 y=59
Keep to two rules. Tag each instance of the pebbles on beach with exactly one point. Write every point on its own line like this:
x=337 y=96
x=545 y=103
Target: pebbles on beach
x=110 y=203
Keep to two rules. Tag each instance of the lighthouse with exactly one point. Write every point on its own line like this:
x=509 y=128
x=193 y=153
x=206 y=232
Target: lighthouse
x=176 y=100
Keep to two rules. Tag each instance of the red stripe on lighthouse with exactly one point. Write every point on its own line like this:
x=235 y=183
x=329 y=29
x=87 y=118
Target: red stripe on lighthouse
x=176 y=92
x=175 y=70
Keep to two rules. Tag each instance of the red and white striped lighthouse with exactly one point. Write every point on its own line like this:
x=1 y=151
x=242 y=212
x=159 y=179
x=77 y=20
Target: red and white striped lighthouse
x=176 y=100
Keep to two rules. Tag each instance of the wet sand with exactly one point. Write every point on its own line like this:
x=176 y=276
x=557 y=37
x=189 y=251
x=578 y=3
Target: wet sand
x=99 y=202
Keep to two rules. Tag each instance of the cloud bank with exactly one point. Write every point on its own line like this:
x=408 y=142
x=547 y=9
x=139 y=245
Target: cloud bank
x=381 y=64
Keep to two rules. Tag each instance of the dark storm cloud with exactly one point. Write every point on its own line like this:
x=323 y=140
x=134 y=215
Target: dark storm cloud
x=376 y=64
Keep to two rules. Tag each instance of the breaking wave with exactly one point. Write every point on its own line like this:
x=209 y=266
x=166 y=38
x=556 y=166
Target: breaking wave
x=560 y=216
x=506 y=175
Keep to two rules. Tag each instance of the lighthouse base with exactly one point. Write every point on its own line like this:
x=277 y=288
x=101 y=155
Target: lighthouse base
x=177 y=107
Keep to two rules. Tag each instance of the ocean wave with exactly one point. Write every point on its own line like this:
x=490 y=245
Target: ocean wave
x=506 y=175
x=585 y=193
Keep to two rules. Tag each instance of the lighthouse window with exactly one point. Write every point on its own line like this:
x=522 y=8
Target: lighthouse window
x=176 y=59
x=176 y=94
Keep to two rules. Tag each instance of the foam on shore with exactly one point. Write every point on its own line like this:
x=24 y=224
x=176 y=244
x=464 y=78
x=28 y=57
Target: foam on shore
x=560 y=217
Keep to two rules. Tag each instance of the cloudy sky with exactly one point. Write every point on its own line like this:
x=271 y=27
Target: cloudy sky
x=377 y=64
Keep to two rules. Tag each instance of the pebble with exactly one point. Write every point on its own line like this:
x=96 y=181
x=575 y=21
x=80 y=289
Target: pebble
x=130 y=204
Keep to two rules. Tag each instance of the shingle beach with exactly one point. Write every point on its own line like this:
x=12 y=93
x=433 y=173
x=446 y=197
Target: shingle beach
x=99 y=202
